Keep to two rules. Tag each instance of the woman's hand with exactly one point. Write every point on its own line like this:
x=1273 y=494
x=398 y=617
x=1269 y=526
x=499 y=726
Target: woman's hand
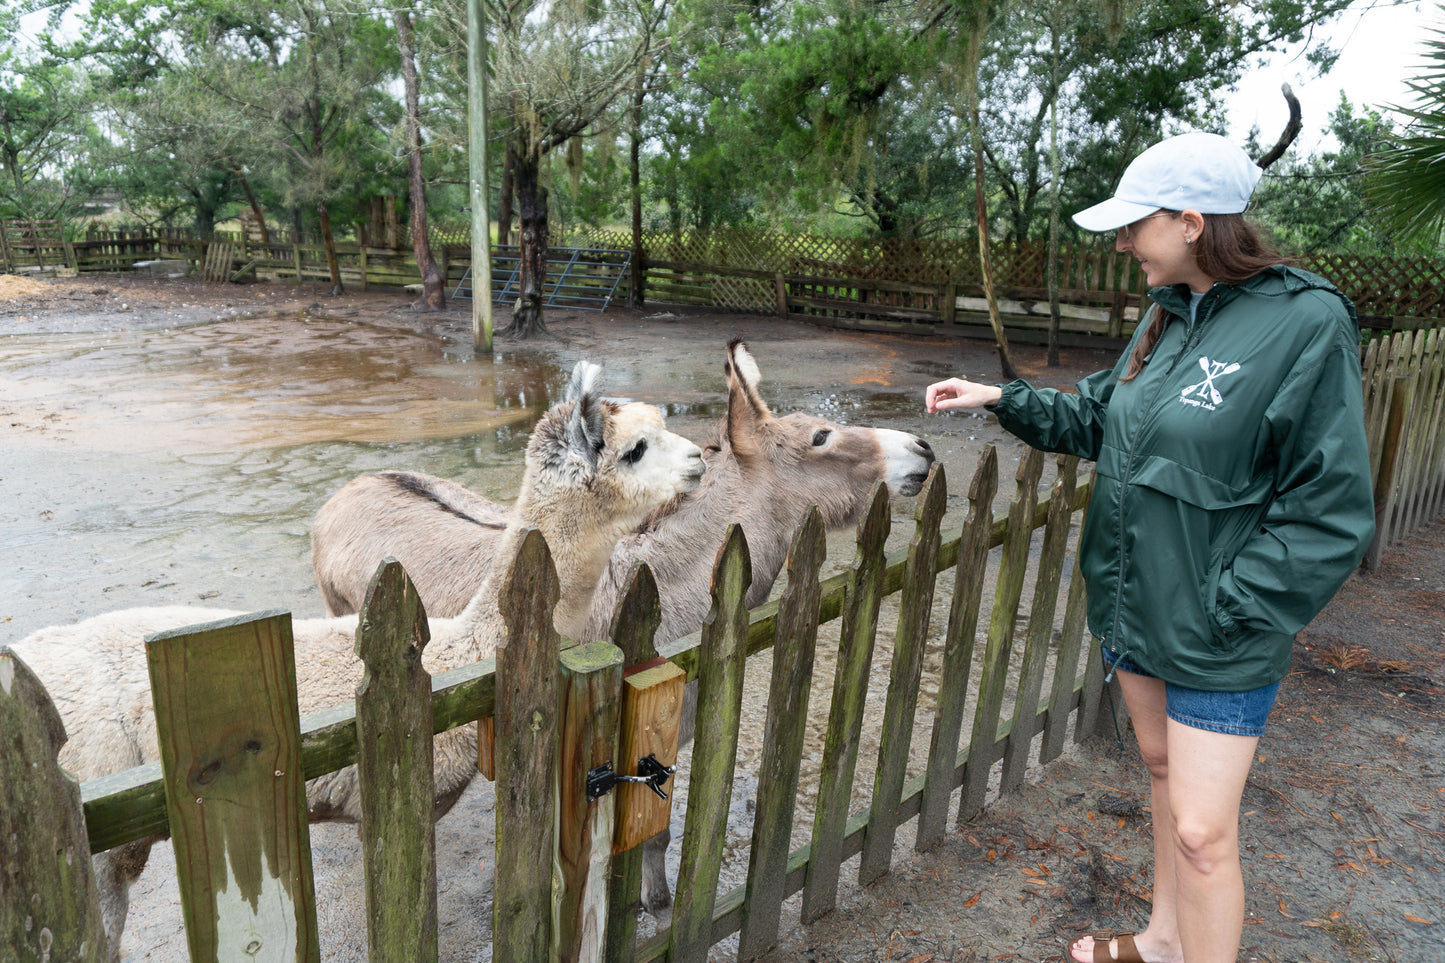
x=957 y=393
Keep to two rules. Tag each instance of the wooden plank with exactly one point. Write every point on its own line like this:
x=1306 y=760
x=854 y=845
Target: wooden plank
x=1009 y=590
x=1048 y=577
x=914 y=607
x=635 y=621
x=845 y=717
x=49 y=908
x=783 y=733
x=394 y=760
x=230 y=748
x=527 y=746
x=958 y=647
x=721 y=657
x=1066 y=660
x=652 y=698
x=591 y=681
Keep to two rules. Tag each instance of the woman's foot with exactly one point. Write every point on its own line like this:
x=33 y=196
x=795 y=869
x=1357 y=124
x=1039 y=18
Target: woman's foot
x=1122 y=948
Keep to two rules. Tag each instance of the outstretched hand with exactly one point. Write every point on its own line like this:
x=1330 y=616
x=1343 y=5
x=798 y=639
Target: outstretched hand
x=957 y=393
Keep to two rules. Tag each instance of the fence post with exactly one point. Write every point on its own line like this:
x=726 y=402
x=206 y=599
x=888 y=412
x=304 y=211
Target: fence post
x=48 y=903
x=230 y=747
x=591 y=680
x=394 y=760
x=526 y=759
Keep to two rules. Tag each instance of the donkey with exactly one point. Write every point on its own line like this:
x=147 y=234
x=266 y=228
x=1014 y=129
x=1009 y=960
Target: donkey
x=593 y=470
x=763 y=471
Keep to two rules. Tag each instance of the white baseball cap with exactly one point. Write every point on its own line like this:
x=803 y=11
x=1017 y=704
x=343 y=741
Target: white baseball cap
x=1197 y=171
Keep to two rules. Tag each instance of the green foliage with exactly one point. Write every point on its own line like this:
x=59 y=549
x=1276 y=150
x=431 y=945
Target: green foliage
x=1317 y=203
x=1407 y=180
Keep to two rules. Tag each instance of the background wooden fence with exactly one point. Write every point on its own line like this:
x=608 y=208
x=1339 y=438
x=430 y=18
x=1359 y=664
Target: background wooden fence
x=557 y=718
x=925 y=285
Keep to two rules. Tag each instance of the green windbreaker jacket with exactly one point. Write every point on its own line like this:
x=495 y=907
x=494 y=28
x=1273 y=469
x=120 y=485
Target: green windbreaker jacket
x=1233 y=493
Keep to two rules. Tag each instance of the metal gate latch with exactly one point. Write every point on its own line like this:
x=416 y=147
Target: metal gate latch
x=649 y=771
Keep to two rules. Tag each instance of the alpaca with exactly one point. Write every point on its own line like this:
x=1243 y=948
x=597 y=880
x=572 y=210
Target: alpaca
x=593 y=470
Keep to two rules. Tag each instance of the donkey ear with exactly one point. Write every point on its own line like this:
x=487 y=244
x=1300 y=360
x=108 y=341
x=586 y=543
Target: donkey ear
x=584 y=425
x=747 y=411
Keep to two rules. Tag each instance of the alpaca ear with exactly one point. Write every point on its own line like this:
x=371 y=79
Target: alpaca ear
x=747 y=411
x=584 y=424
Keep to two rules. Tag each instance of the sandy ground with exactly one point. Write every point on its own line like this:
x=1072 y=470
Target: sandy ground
x=1344 y=836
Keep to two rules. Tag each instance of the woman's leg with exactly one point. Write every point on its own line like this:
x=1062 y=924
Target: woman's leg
x=1159 y=941
x=1209 y=772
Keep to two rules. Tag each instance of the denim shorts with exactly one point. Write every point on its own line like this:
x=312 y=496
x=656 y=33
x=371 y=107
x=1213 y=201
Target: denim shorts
x=1233 y=713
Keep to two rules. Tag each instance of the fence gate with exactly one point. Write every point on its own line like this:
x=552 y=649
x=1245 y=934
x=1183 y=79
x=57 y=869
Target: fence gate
x=582 y=278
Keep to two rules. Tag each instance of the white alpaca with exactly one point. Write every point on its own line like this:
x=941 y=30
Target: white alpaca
x=594 y=469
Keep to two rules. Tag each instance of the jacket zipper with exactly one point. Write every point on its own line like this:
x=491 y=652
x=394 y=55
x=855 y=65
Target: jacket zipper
x=1190 y=341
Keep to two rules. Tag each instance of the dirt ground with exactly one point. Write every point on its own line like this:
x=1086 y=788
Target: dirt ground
x=1344 y=819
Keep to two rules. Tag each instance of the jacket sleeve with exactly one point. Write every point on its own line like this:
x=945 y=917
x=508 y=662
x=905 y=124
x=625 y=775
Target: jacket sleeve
x=1322 y=516
x=1054 y=420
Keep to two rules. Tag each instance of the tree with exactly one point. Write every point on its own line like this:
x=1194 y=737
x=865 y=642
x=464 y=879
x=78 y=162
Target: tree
x=433 y=284
x=1407 y=180
x=558 y=68
x=45 y=126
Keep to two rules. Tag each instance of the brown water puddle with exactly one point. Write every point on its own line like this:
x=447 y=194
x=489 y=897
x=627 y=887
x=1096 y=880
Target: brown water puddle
x=259 y=383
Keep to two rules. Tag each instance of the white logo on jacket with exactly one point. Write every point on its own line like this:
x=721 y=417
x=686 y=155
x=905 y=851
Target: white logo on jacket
x=1205 y=394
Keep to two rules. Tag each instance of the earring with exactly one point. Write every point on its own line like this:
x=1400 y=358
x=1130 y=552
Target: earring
x=1189 y=240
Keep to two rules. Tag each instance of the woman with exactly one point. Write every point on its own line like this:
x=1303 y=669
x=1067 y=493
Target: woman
x=1232 y=499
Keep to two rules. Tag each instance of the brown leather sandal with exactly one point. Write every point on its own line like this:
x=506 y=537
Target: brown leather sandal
x=1128 y=952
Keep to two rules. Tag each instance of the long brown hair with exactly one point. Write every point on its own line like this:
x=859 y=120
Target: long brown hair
x=1228 y=249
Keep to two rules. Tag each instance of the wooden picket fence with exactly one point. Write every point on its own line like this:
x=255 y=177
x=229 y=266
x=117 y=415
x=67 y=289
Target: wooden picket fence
x=1404 y=382
x=557 y=717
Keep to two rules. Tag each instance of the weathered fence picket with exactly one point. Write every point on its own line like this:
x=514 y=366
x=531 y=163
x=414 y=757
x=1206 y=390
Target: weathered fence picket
x=393 y=741
x=721 y=657
x=783 y=732
x=523 y=924
x=957 y=662
x=230 y=747
x=1004 y=614
x=48 y=904
x=901 y=703
x=862 y=595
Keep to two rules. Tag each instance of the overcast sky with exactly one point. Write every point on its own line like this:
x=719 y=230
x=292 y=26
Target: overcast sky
x=1382 y=44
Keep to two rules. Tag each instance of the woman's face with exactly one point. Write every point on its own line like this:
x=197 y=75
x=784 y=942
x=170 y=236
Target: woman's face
x=1161 y=243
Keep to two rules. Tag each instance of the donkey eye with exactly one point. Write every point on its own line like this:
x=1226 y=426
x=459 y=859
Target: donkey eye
x=820 y=437
x=634 y=455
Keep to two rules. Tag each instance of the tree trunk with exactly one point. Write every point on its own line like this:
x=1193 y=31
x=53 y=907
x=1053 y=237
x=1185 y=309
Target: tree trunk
x=995 y=321
x=508 y=191
x=255 y=209
x=527 y=317
x=332 y=264
x=1051 y=264
x=433 y=285
x=635 y=169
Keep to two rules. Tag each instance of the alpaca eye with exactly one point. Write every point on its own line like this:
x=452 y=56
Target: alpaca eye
x=635 y=455
x=820 y=437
